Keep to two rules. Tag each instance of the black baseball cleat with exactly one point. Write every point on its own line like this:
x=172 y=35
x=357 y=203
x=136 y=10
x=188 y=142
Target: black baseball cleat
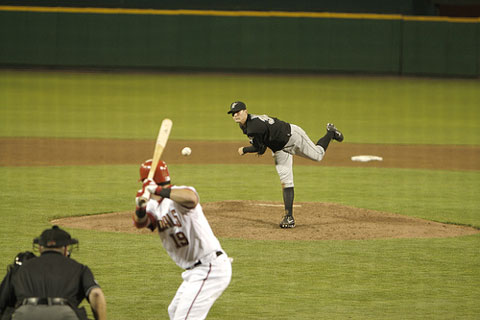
x=287 y=222
x=337 y=135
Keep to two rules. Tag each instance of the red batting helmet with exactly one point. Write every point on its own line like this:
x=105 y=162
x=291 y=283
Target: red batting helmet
x=161 y=174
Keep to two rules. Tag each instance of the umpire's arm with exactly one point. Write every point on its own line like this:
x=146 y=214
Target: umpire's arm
x=98 y=303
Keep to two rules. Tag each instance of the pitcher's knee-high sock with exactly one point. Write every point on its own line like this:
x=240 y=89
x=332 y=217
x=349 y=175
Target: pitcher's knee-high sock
x=325 y=140
x=288 y=195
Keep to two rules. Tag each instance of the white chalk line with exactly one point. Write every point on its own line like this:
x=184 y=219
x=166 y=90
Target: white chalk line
x=276 y=205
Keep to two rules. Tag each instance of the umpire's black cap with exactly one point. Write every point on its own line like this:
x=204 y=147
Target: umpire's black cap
x=237 y=106
x=54 y=238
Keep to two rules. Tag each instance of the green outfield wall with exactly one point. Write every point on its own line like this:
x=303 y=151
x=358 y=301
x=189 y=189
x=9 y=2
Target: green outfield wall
x=176 y=39
x=406 y=7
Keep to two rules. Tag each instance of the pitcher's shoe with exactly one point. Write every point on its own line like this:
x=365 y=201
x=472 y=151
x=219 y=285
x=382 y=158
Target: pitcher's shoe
x=287 y=222
x=337 y=135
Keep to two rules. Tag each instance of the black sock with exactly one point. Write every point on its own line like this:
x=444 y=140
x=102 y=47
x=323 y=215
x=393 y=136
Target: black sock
x=325 y=140
x=288 y=200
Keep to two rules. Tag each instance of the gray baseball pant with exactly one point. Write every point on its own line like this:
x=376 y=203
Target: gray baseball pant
x=298 y=144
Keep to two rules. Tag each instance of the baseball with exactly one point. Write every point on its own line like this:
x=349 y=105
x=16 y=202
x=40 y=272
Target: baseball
x=186 y=151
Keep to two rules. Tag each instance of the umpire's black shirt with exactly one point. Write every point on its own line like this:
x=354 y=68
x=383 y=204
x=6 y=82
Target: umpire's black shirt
x=53 y=275
x=265 y=131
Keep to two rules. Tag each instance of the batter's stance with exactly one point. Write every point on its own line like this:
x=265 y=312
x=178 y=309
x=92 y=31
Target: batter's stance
x=186 y=235
x=285 y=140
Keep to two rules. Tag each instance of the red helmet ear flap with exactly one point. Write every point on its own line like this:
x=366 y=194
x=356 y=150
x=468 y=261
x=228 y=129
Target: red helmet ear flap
x=145 y=169
x=161 y=174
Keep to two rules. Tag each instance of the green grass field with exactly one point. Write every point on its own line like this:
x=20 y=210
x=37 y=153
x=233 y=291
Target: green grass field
x=374 y=279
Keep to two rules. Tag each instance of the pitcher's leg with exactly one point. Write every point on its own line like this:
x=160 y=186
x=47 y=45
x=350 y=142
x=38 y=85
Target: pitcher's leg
x=332 y=133
x=288 y=221
x=303 y=146
x=284 y=166
x=288 y=195
x=325 y=140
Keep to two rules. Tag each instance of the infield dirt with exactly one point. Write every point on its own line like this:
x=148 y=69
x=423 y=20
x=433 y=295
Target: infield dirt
x=255 y=219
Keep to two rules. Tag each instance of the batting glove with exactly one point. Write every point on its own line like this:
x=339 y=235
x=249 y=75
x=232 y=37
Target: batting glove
x=163 y=192
x=139 y=200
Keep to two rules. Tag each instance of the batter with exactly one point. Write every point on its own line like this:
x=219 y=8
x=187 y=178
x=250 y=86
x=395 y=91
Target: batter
x=175 y=212
x=285 y=140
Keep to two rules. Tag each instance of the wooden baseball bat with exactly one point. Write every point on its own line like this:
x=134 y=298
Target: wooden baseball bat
x=160 y=145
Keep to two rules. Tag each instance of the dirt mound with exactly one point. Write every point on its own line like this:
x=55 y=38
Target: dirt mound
x=259 y=220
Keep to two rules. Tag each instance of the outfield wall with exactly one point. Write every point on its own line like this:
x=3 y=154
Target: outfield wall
x=406 y=7
x=317 y=42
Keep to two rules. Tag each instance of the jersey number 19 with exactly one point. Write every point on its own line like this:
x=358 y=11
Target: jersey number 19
x=180 y=239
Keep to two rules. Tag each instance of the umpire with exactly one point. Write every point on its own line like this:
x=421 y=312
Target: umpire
x=51 y=286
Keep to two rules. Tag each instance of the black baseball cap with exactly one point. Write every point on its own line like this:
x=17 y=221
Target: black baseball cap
x=22 y=257
x=54 y=238
x=237 y=106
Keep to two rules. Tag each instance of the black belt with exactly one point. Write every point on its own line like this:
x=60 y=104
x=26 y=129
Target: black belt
x=199 y=262
x=46 y=301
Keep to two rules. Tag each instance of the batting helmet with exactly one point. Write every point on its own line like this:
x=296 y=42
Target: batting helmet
x=161 y=174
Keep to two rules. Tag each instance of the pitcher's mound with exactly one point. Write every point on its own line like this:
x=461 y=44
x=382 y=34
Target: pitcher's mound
x=259 y=220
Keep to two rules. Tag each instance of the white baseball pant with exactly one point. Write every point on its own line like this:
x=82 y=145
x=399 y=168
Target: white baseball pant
x=201 y=286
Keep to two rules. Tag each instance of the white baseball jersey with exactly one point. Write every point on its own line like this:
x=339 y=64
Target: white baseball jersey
x=190 y=242
x=185 y=233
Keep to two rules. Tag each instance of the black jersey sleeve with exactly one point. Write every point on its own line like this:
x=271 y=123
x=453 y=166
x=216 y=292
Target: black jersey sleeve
x=7 y=298
x=257 y=132
x=257 y=145
x=88 y=281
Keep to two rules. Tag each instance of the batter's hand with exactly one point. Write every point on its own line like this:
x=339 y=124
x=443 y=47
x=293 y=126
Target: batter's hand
x=151 y=187
x=154 y=189
x=240 y=151
x=143 y=194
x=140 y=202
x=148 y=184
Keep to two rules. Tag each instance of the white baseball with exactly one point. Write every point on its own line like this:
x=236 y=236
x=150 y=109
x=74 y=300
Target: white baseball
x=186 y=151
